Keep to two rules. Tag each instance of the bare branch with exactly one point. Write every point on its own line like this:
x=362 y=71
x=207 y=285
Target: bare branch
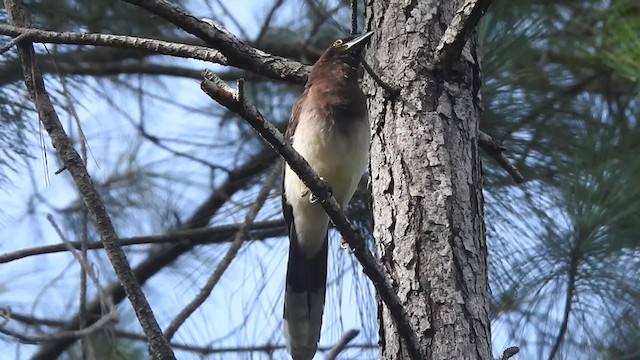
x=218 y=90
x=509 y=353
x=83 y=263
x=341 y=344
x=238 y=53
x=116 y=41
x=267 y=21
x=201 y=350
x=75 y=166
x=354 y=17
x=6 y=47
x=112 y=316
x=456 y=35
x=214 y=235
x=494 y=149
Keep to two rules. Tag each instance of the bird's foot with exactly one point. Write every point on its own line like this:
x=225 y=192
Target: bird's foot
x=313 y=198
x=345 y=245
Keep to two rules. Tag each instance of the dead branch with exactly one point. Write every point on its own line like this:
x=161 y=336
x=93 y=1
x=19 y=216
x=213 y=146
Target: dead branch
x=494 y=149
x=456 y=35
x=116 y=41
x=238 y=53
x=208 y=235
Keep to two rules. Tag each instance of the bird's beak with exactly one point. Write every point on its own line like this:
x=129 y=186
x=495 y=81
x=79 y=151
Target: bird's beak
x=359 y=41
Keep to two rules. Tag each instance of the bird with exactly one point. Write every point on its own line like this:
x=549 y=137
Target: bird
x=329 y=127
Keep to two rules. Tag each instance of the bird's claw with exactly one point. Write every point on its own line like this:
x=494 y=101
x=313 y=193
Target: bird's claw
x=312 y=197
x=345 y=245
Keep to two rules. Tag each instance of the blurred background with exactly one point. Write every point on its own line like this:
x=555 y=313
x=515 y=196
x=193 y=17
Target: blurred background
x=560 y=89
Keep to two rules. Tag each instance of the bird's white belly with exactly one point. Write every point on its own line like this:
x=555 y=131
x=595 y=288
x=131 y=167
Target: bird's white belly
x=338 y=159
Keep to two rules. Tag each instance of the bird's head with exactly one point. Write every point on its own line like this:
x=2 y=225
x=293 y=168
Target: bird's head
x=343 y=55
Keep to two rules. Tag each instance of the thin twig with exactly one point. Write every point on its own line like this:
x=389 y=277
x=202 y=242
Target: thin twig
x=83 y=264
x=239 y=53
x=214 y=235
x=196 y=349
x=228 y=257
x=233 y=19
x=6 y=47
x=84 y=218
x=456 y=35
x=218 y=90
x=49 y=118
x=116 y=41
x=494 y=149
x=341 y=344
x=391 y=92
x=38 y=339
x=509 y=353
x=267 y=22
x=354 y=17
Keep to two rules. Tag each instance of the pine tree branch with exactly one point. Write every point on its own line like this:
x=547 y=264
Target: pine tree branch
x=159 y=346
x=116 y=41
x=100 y=324
x=213 y=235
x=509 y=353
x=238 y=53
x=456 y=35
x=342 y=344
x=196 y=349
x=494 y=149
x=219 y=91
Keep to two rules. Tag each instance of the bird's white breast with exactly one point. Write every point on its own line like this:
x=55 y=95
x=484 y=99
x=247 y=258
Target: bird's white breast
x=339 y=156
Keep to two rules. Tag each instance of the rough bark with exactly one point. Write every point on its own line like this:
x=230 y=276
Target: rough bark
x=426 y=179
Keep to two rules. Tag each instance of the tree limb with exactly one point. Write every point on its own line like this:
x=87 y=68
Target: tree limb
x=219 y=91
x=201 y=350
x=159 y=346
x=495 y=149
x=456 y=35
x=100 y=324
x=200 y=236
x=116 y=41
x=341 y=344
x=238 y=53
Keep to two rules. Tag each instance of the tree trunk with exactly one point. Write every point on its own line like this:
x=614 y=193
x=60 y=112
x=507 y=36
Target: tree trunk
x=427 y=185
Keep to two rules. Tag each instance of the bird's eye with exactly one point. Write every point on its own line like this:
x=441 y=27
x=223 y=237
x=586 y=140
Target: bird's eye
x=337 y=43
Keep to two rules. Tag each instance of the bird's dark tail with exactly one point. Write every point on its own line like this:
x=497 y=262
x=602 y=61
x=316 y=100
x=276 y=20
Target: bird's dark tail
x=304 y=297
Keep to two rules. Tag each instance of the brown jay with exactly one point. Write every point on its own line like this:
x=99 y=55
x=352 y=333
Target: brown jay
x=329 y=127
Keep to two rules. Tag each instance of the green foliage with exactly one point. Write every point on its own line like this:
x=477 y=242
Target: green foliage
x=620 y=32
x=563 y=248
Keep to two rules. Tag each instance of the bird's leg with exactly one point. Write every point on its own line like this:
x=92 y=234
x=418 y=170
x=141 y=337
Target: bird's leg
x=306 y=192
